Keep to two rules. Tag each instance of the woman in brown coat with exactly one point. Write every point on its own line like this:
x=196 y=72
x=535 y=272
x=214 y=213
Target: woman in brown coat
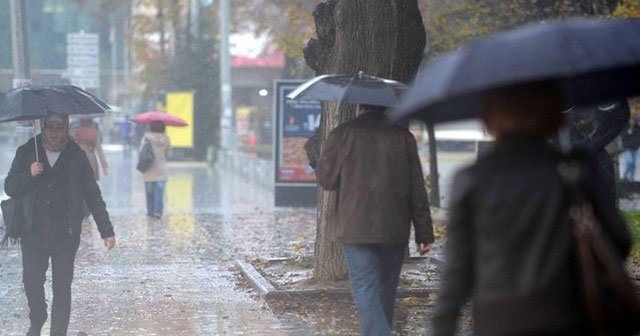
x=156 y=176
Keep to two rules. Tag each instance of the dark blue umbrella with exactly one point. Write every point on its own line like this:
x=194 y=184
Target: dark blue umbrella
x=589 y=60
x=36 y=102
x=355 y=89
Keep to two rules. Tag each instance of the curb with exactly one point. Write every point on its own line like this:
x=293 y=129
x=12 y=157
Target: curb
x=268 y=292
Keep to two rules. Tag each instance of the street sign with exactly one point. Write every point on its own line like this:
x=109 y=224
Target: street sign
x=83 y=60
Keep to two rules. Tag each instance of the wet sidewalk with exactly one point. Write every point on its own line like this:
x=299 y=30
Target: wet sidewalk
x=177 y=276
x=172 y=276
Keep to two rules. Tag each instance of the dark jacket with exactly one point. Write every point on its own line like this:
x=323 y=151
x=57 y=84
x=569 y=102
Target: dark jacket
x=631 y=137
x=510 y=247
x=610 y=122
x=376 y=169
x=81 y=187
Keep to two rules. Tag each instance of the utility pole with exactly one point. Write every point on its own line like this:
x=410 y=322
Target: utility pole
x=126 y=66
x=113 y=42
x=160 y=17
x=194 y=23
x=21 y=71
x=226 y=117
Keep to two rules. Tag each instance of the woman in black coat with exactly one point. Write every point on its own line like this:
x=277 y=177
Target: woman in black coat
x=509 y=240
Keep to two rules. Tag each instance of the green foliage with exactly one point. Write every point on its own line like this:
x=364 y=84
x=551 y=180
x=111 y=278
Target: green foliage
x=633 y=219
x=628 y=8
x=451 y=24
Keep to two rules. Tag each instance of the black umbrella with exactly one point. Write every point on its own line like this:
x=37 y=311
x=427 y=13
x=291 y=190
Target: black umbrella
x=36 y=102
x=356 y=89
x=30 y=103
x=589 y=60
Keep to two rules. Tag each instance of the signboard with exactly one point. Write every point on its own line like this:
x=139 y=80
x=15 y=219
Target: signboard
x=83 y=65
x=180 y=104
x=295 y=122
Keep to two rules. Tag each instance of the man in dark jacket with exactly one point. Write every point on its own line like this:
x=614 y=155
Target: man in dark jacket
x=375 y=167
x=52 y=189
x=591 y=129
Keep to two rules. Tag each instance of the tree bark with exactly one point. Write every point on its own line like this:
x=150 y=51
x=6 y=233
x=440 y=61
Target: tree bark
x=384 y=38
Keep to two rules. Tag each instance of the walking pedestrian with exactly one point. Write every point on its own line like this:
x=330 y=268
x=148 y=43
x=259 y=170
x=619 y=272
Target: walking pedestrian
x=510 y=245
x=630 y=144
x=602 y=125
x=126 y=136
x=374 y=166
x=156 y=176
x=52 y=192
x=89 y=138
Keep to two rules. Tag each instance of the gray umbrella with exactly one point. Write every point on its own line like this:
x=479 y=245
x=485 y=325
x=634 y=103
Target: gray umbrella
x=356 y=89
x=30 y=103
x=33 y=102
x=590 y=60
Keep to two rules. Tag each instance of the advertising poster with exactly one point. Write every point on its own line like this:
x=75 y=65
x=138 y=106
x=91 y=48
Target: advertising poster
x=296 y=121
x=180 y=104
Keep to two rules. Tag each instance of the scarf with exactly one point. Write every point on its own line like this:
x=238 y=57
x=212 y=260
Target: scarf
x=49 y=121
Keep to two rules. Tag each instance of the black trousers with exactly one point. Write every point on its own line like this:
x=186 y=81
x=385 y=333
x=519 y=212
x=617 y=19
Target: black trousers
x=35 y=262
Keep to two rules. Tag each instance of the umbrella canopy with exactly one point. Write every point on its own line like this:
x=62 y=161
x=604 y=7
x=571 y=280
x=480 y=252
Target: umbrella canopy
x=167 y=119
x=356 y=89
x=36 y=102
x=589 y=60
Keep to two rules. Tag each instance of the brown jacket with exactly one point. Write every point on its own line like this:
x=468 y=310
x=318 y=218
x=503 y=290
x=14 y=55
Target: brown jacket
x=375 y=167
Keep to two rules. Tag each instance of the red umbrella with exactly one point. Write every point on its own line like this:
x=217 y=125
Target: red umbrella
x=167 y=119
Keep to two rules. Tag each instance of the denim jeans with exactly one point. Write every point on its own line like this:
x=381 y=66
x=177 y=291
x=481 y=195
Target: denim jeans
x=155 y=198
x=374 y=271
x=630 y=165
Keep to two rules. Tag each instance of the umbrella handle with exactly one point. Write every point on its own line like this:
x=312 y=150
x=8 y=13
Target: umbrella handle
x=35 y=140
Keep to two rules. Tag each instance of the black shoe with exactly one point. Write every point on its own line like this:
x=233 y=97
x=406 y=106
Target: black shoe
x=33 y=331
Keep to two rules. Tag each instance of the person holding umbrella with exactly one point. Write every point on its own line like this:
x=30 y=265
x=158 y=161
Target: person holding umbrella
x=53 y=178
x=155 y=177
x=533 y=238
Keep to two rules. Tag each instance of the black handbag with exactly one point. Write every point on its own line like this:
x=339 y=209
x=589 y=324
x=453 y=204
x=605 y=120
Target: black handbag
x=608 y=295
x=13 y=221
x=146 y=157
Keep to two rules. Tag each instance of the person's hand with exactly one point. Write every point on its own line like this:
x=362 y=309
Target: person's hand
x=105 y=170
x=110 y=242
x=424 y=249
x=36 y=169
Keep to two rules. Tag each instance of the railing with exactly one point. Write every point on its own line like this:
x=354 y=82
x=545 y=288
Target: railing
x=249 y=166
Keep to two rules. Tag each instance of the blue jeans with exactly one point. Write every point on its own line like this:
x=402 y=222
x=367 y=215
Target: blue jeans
x=630 y=165
x=374 y=271
x=155 y=198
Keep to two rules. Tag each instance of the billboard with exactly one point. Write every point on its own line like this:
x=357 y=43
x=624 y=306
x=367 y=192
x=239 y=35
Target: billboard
x=296 y=121
x=180 y=104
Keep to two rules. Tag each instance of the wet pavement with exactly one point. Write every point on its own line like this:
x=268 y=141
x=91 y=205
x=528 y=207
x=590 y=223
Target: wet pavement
x=175 y=276
x=172 y=276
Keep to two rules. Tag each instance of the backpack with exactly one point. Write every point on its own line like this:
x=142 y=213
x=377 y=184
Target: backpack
x=146 y=157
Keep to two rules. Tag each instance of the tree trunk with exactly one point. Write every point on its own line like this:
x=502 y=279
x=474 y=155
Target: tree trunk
x=384 y=38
